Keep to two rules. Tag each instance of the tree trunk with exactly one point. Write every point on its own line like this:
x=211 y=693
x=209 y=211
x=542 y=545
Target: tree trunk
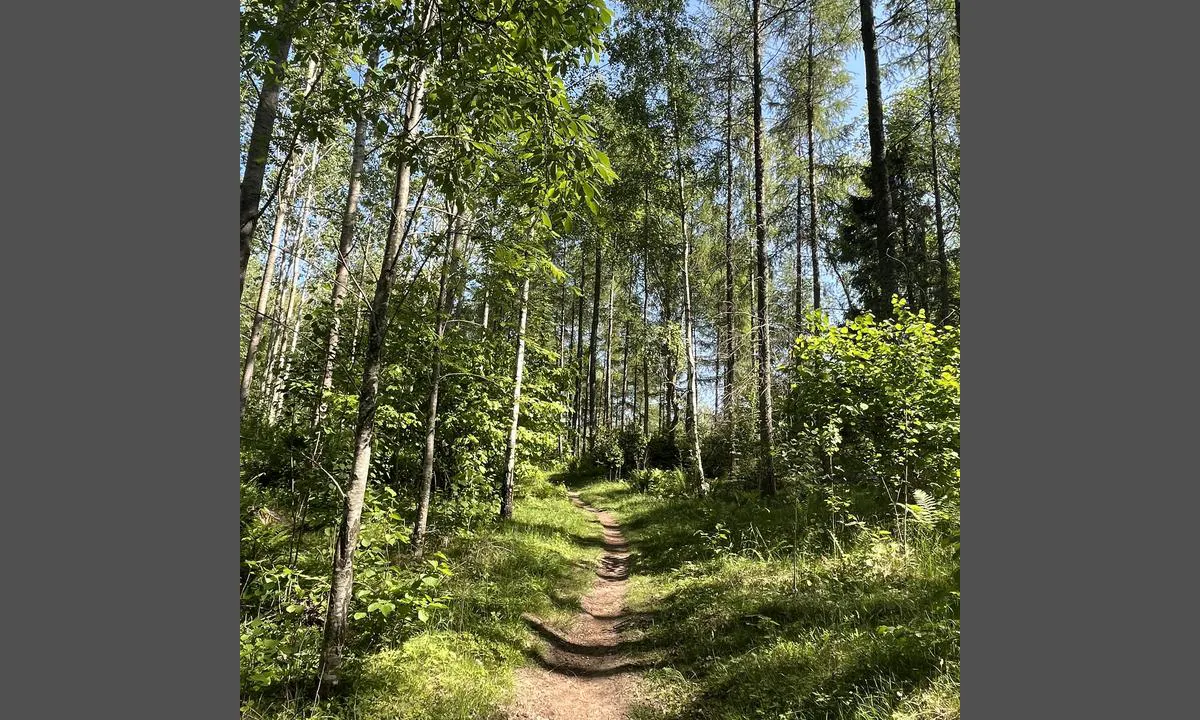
x=943 y=262
x=624 y=370
x=286 y=372
x=880 y=191
x=689 y=420
x=562 y=354
x=579 y=399
x=957 y=35
x=510 y=462
x=810 y=103
x=799 y=289
x=342 y=581
x=259 y=149
x=283 y=209
x=362 y=282
x=345 y=243
x=608 y=356
x=645 y=356
x=729 y=309
x=435 y=380
x=276 y=368
x=691 y=424
x=590 y=423
x=264 y=290
x=766 y=432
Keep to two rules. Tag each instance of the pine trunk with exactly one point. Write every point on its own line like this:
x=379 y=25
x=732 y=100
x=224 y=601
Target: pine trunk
x=799 y=289
x=944 y=308
x=880 y=191
x=766 y=432
x=812 y=170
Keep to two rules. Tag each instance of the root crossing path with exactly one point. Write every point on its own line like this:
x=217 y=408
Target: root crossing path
x=584 y=672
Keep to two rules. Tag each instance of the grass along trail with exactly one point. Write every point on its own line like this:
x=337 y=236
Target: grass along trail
x=585 y=671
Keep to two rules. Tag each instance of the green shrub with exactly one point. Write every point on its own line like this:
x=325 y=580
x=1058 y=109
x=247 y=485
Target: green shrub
x=877 y=404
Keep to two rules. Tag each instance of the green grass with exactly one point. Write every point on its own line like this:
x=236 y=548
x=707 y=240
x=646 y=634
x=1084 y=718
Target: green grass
x=762 y=616
x=460 y=665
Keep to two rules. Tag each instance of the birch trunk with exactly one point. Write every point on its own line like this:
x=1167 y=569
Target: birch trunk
x=345 y=243
x=435 y=379
x=510 y=463
x=259 y=150
x=342 y=581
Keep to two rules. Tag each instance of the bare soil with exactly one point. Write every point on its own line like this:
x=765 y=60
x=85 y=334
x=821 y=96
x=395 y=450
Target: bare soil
x=582 y=672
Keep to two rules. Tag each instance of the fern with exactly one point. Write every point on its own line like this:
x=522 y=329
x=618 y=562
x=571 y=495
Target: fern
x=926 y=510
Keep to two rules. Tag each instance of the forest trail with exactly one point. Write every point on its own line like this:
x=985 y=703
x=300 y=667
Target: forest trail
x=585 y=673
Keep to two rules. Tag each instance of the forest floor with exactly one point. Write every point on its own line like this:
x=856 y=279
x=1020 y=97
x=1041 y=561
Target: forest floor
x=600 y=601
x=584 y=671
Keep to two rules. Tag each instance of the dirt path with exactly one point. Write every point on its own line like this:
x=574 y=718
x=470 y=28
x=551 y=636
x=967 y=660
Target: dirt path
x=583 y=673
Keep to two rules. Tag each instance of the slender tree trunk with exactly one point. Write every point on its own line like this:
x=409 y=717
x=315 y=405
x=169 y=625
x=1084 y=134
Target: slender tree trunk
x=435 y=381
x=766 y=431
x=799 y=289
x=645 y=356
x=717 y=369
x=341 y=277
x=810 y=104
x=845 y=285
x=259 y=150
x=728 y=310
x=264 y=291
x=286 y=371
x=579 y=398
x=358 y=306
x=624 y=370
x=670 y=365
x=590 y=423
x=284 y=208
x=943 y=263
x=342 y=582
x=608 y=356
x=510 y=462
x=880 y=191
x=957 y=36
x=900 y=195
x=275 y=369
x=689 y=420
x=562 y=353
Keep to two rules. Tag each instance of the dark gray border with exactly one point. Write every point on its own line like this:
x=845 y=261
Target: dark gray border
x=122 y=451
x=1072 y=269
x=122 y=447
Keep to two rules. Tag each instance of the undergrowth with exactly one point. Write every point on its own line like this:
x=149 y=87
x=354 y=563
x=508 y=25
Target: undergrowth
x=455 y=660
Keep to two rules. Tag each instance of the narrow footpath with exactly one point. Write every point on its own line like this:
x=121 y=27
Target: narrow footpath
x=582 y=672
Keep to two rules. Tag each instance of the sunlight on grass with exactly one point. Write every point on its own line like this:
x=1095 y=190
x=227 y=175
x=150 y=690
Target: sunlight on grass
x=764 y=618
x=462 y=666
